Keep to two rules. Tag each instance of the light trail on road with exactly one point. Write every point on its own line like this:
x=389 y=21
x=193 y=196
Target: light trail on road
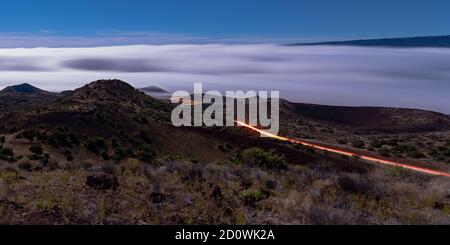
x=349 y=153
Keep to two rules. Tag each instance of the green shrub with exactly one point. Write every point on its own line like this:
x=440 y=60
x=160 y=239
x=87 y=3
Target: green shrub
x=121 y=153
x=63 y=139
x=146 y=154
x=262 y=158
x=96 y=146
x=250 y=198
x=394 y=171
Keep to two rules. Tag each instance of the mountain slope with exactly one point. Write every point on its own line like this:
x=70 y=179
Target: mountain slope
x=153 y=89
x=394 y=120
x=408 y=42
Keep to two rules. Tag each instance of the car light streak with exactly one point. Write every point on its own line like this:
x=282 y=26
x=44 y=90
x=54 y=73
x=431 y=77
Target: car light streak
x=348 y=153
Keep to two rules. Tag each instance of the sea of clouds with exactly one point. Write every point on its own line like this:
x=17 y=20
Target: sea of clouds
x=413 y=78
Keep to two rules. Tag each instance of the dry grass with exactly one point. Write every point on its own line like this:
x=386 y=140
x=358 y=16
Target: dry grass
x=182 y=192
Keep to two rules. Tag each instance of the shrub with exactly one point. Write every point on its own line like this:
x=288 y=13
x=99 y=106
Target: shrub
x=105 y=155
x=404 y=149
x=250 y=198
x=447 y=153
x=262 y=158
x=6 y=154
x=25 y=165
x=384 y=152
x=376 y=144
x=121 y=153
x=29 y=134
x=358 y=144
x=44 y=161
x=394 y=171
x=63 y=139
x=342 y=141
x=69 y=158
x=355 y=184
x=226 y=147
x=36 y=149
x=392 y=142
x=96 y=145
x=6 y=151
x=144 y=137
x=416 y=154
x=52 y=165
x=146 y=154
x=35 y=157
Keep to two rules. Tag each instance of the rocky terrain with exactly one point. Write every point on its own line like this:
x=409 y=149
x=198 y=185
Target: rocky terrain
x=107 y=153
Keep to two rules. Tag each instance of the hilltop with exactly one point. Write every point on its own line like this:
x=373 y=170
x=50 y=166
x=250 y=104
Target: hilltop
x=153 y=89
x=24 y=95
x=23 y=88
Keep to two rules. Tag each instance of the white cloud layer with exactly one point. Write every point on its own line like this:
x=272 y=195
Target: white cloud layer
x=415 y=78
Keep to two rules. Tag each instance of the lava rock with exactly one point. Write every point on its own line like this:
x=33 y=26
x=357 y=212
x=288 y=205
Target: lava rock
x=102 y=181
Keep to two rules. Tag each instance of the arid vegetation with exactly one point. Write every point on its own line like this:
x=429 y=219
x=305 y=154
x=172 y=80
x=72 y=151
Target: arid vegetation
x=107 y=154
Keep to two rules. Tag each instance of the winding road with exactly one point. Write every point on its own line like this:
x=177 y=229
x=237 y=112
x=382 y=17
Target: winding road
x=331 y=149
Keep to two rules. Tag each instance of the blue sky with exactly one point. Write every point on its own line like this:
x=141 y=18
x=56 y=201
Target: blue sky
x=416 y=78
x=224 y=20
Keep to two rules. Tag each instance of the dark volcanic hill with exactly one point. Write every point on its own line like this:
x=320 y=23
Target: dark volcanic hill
x=23 y=96
x=24 y=88
x=433 y=41
x=112 y=105
x=153 y=89
x=394 y=120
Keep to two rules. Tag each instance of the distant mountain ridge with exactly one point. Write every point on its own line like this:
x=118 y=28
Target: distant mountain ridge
x=382 y=119
x=24 y=96
x=153 y=89
x=406 y=42
x=23 y=88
